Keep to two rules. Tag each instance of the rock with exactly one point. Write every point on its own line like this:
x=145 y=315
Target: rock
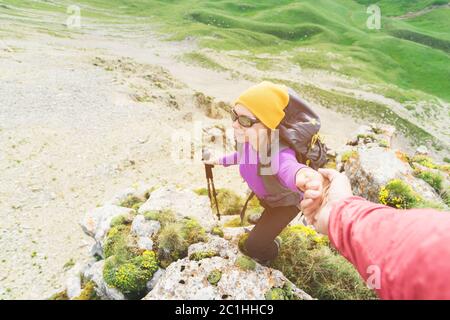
x=73 y=281
x=253 y=218
x=233 y=234
x=373 y=135
x=140 y=190
x=374 y=167
x=95 y=273
x=184 y=203
x=156 y=277
x=145 y=243
x=96 y=223
x=422 y=150
x=216 y=244
x=144 y=228
x=187 y=279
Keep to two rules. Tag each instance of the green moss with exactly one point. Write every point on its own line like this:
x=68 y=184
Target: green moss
x=131 y=276
x=119 y=220
x=398 y=194
x=230 y=203
x=192 y=231
x=348 y=154
x=214 y=277
x=200 y=255
x=424 y=161
x=88 y=292
x=217 y=231
x=236 y=222
x=164 y=217
x=69 y=264
x=245 y=263
x=284 y=293
x=116 y=242
x=383 y=143
x=311 y=265
x=59 y=296
x=132 y=202
x=241 y=243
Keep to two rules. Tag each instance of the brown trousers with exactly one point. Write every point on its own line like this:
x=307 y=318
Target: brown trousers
x=260 y=244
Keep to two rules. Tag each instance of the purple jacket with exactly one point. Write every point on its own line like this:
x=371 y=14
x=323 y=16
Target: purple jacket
x=287 y=168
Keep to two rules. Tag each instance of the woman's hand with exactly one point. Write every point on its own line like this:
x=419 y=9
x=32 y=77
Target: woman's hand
x=311 y=183
x=337 y=188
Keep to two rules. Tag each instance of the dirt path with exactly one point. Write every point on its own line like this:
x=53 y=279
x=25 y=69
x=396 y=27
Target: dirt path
x=72 y=134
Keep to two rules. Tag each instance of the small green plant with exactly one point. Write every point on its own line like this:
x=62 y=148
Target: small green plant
x=398 y=194
x=383 y=143
x=200 y=255
x=217 y=231
x=284 y=293
x=348 y=154
x=171 y=244
x=228 y=201
x=241 y=243
x=424 y=161
x=59 y=296
x=214 y=277
x=192 y=231
x=122 y=219
x=88 y=292
x=116 y=242
x=69 y=264
x=245 y=263
x=164 y=217
x=130 y=277
x=132 y=202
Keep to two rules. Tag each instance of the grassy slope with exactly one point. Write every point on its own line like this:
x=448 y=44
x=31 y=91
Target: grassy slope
x=395 y=54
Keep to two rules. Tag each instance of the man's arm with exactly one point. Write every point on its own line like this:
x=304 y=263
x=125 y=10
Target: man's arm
x=405 y=253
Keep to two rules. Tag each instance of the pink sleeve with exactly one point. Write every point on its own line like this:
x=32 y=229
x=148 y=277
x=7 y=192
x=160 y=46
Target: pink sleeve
x=404 y=254
x=229 y=160
x=288 y=167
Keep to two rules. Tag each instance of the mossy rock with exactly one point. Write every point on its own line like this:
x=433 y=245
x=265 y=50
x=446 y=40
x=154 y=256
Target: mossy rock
x=214 y=277
x=200 y=255
x=351 y=154
x=245 y=263
x=131 y=276
x=164 y=217
x=217 y=231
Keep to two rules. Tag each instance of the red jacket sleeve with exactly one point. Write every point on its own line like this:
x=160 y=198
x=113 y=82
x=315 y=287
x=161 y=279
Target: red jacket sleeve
x=403 y=254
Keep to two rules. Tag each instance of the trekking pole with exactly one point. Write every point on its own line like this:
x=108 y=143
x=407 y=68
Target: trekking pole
x=210 y=182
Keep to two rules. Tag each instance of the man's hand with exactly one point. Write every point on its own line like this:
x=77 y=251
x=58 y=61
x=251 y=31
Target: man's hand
x=311 y=183
x=337 y=188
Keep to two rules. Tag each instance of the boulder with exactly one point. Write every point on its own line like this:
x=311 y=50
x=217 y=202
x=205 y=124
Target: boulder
x=188 y=279
x=373 y=167
x=97 y=222
x=144 y=228
x=184 y=203
x=156 y=277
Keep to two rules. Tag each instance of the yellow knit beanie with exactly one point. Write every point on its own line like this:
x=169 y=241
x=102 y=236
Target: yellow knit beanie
x=266 y=101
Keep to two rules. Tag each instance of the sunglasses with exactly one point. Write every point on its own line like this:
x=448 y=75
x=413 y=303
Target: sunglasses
x=244 y=121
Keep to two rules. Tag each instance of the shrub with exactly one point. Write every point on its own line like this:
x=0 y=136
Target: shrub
x=236 y=222
x=398 y=194
x=315 y=268
x=171 y=244
x=229 y=202
x=130 y=277
x=192 y=231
